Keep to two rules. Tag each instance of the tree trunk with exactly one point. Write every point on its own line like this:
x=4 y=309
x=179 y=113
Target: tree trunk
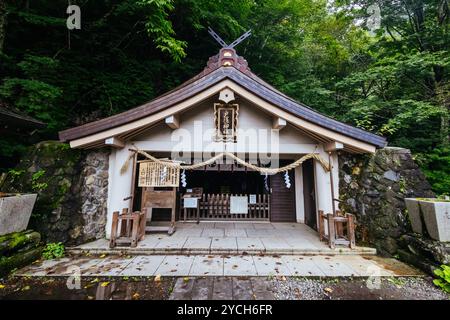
x=3 y=14
x=443 y=100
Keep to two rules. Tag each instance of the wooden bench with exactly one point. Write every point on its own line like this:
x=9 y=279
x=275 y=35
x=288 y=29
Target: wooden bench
x=341 y=229
x=132 y=227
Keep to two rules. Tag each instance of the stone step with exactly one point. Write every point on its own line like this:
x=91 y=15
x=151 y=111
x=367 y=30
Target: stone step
x=222 y=288
x=188 y=251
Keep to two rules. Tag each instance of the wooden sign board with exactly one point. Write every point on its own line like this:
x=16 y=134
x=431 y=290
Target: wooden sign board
x=153 y=174
x=226 y=121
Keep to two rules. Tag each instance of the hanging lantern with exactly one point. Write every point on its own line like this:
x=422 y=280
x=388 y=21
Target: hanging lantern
x=287 y=179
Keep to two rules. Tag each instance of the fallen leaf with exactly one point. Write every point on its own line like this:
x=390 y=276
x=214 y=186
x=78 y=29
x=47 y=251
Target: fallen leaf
x=173 y=270
x=329 y=290
x=26 y=288
x=235 y=266
x=136 y=296
x=103 y=255
x=158 y=278
x=104 y=284
x=2 y=286
x=186 y=279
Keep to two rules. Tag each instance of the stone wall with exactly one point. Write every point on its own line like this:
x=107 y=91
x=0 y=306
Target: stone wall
x=72 y=187
x=373 y=187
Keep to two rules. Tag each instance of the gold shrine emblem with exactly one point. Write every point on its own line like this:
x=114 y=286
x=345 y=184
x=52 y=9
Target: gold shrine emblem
x=226 y=121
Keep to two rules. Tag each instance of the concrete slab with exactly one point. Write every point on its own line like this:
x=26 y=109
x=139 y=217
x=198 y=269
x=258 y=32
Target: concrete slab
x=235 y=233
x=142 y=266
x=197 y=245
x=334 y=268
x=261 y=233
x=42 y=267
x=213 y=233
x=175 y=265
x=190 y=232
x=276 y=245
x=286 y=226
x=271 y=266
x=224 y=225
x=207 y=266
x=99 y=243
x=303 y=243
x=150 y=241
x=243 y=225
x=225 y=245
x=364 y=267
x=246 y=244
x=259 y=226
x=239 y=266
x=171 y=243
x=302 y=266
x=111 y=267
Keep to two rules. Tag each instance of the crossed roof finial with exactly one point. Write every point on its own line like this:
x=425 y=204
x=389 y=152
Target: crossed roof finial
x=223 y=43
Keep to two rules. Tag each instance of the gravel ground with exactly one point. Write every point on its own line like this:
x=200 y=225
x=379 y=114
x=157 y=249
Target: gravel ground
x=404 y=288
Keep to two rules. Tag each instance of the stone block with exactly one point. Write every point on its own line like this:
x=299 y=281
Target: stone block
x=15 y=212
x=414 y=214
x=437 y=219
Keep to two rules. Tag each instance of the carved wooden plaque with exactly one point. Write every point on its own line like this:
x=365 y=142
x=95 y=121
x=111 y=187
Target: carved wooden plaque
x=226 y=121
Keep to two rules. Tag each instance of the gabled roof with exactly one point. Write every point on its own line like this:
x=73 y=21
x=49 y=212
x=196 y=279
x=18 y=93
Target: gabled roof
x=221 y=67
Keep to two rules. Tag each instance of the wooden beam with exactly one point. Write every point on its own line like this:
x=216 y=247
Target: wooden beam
x=173 y=121
x=115 y=142
x=333 y=146
x=278 y=123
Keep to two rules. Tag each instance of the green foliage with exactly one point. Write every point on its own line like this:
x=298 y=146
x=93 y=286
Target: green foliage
x=53 y=251
x=443 y=281
x=35 y=184
x=436 y=167
x=393 y=81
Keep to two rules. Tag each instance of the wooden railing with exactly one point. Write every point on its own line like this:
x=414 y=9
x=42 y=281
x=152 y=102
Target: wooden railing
x=217 y=207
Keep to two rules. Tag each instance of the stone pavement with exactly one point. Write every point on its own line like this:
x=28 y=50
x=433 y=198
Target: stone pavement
x=221 y=265
x=229 y=238
x=222 y=288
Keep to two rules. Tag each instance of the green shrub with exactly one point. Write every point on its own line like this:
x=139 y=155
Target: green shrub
x=436 y=166
x=53 y=250
x=444 y=278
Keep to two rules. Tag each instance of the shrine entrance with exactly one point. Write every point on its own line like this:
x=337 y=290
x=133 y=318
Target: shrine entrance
x=218 y=191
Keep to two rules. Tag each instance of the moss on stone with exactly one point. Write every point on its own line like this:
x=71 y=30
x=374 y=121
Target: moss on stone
x=15 y=241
